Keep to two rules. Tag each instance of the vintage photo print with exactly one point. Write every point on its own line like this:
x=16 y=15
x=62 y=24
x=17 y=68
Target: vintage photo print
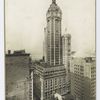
x=50 y=50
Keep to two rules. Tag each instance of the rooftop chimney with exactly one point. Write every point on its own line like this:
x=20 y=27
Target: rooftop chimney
x=9 y=51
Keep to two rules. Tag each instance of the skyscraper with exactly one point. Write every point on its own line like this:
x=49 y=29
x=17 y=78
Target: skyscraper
x=49 y=77
x=66 y=52
x=53 y=35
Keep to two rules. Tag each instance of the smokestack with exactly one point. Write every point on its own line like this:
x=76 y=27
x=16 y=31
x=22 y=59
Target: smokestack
x=9 y=51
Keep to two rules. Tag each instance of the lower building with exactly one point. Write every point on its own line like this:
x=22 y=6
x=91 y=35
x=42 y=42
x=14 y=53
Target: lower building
x=20 y=92
x=17 y=73
x=83 y=78
x=47 y=81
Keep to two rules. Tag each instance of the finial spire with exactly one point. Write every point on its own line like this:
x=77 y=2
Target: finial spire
x=54 y=1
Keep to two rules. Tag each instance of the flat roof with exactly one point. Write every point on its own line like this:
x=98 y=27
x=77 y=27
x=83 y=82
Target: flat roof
x=13 y=55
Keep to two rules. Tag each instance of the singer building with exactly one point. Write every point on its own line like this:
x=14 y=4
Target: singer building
x=49 y=76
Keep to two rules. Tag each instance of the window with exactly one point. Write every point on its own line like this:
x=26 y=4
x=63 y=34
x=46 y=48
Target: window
x=48 y=20
x=69 y=43
x=55 y=81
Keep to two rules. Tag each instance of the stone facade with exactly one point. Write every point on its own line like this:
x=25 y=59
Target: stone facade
x=49 y=80
x=17 y=73
x=83 y=78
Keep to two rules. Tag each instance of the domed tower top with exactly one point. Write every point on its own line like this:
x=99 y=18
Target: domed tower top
x=54 y=10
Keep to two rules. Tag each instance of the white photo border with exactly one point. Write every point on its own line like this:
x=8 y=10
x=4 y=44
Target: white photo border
x=2 y=68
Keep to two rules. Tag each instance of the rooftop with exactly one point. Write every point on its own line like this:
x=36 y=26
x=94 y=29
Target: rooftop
x=17 y=53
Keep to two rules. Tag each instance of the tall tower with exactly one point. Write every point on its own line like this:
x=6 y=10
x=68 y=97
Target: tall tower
x=53 y=35
x=50 y=79
x=66 y=52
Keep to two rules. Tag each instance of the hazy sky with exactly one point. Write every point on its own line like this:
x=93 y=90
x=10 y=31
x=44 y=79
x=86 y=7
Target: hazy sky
x=26 y=19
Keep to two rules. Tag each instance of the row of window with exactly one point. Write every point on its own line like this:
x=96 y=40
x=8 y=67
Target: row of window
x=51 y=93
x=54 y=82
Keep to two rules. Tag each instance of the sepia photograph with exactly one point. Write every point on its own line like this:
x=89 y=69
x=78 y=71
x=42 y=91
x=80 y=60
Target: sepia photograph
x=50 y=50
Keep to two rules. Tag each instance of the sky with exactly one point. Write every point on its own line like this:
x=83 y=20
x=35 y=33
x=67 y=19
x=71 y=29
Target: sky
x=25 y=21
